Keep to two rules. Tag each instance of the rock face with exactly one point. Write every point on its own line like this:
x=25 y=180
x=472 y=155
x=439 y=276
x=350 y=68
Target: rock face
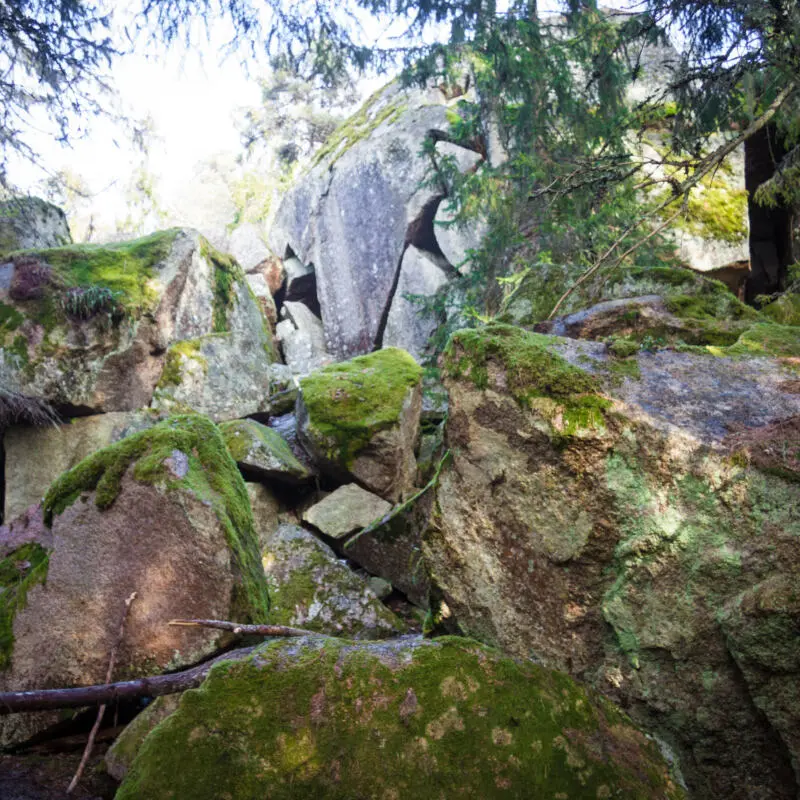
x=262 y=453
x=600 y=514
x=408 y=326
x=111 y=328
x=310 y=588
x=28 y=222
x=163 y=513
x=354 y=212
x=360 y=420
x=36 y=456
x=409 y=718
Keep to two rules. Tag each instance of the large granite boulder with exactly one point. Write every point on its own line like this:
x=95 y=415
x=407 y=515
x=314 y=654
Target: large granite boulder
x=636 y=521
x=310 y=588
x=113 y=327
x=403 y=719
x=27 y=222
x=360 y=420
x=353 y=212
x=36 y=456
x=163 y=513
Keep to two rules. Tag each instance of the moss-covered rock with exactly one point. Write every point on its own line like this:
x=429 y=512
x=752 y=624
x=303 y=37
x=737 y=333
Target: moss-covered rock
x=360 y=419
x=89 y=326
x=163 y=513
x=310 y=588
x=617 y=550
x=403 y=719
x=262 y=453
x=27 y=222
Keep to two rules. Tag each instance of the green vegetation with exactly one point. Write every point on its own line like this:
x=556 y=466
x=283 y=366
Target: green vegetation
x=19 y=572
x=125 y=269
x=212 y=477
x=172 y=374
x=348 y=403
x=533 y=370
x=338 y=719
x=227 y=274
x=243 y=435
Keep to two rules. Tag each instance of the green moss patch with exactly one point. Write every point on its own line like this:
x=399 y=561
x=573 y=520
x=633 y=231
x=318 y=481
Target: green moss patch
x=212 y=476
x=533 y=369
x=348 y=403
x=227 y=274
x=443 y=718
x=785 y=310
x=172 y=374
x=124 y=268
x=19 y=572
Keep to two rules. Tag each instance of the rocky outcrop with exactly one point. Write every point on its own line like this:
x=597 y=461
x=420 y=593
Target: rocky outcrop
x=28 y=222
x=311 y=589
x=407 y=718
x=163 y=513
x=599 y=514
x=360 y=420
x=165 y=319
x=354 y=212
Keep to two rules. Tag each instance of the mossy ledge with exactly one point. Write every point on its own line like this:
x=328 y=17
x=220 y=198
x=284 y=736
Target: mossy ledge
x=534 y=371
x=20 y=570
x=410 y=718
x=348 y=403
x=212 y=476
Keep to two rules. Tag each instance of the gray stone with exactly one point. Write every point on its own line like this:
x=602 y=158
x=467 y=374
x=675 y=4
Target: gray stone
x=349 y=215
x=266 y=509
x=246 y=244
x=36 y=456
x=310 y=588
x=456 y=240
x=258 y=286
x=350 y=508
x=261 y=452
x=302 y=339
x=381 y=587
x=28 y=222
x=407 y=326
x=465 y=160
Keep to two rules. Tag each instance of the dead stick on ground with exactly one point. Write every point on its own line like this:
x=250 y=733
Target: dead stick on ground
x=102 y=710
x=244 y=630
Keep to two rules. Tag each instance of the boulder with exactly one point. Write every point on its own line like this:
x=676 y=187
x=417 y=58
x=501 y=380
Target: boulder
x=246 y=245
x=352 y=213
x=99 y=328
x=456 y=239
x=28 y=222
x=310 y=588
x=408 y=325
x=608 y=524
x=347 y=510
x=302 y=338
x=301 y=284
x=266 y=509
x=163 y=513
x=36 y=456
x=260 y=289
x=261 y=453
x=360 y=420
x=446 y=718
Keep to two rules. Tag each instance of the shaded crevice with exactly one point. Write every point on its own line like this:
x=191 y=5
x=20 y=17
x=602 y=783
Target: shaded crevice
x=378 y=343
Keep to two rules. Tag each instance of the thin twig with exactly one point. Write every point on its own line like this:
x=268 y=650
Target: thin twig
x=244 y=630
x=87 y=752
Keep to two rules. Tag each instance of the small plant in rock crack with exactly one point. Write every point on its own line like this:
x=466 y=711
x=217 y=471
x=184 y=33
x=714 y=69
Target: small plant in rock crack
x=85 y=302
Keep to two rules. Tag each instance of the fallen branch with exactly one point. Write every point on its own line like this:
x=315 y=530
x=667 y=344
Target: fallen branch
x=244 y=630
x=87 y=752
x=155 y=686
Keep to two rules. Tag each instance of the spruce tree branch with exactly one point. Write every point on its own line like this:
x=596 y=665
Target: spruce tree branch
x=704 y=166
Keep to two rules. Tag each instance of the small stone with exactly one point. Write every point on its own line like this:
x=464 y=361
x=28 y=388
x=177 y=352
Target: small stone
x=381 y=587
x=350 y=508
